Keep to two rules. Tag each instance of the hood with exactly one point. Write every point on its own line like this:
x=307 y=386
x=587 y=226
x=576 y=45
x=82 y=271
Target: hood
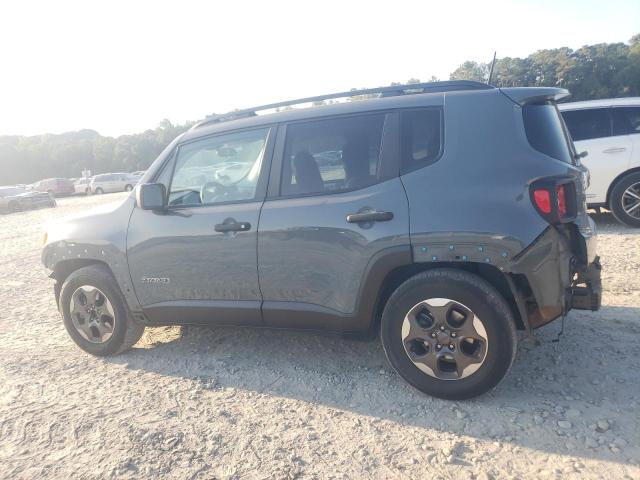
x=92 y=213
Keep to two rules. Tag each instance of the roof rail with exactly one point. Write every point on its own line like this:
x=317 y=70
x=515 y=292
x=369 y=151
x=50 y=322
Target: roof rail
x=391 y=91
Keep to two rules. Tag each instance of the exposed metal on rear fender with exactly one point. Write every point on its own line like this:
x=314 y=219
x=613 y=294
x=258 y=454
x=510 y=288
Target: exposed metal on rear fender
x=546 y=263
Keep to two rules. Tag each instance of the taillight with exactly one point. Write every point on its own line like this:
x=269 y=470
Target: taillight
x=543 y=200
x=555 y=199
x=562 y=202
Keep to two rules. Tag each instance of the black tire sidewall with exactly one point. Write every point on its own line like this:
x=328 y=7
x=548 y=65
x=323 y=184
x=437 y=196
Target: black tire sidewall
x=102 y=280
x=471 y=292
x=616 y=200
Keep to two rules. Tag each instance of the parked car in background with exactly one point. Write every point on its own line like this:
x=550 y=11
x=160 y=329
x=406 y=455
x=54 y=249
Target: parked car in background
x=136 y=176
x=434 y=216
x=58 y=187
x=16 y=199
x=609 y=131
x=81 y=186
x=112 y=182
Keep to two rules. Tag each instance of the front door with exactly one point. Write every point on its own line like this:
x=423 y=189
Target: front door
x=333 y=207
x=196 y=262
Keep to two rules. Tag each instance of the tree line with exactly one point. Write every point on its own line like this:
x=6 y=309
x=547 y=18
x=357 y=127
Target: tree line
x=594 y=71
x=604 y=70
x=27 y=159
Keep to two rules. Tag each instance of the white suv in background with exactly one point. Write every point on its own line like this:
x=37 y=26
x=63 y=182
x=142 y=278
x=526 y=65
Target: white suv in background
x=609 y=130
x=112 y=182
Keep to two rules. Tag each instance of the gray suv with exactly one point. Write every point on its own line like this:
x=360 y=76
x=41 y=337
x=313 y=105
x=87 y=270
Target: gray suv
x=444 y=217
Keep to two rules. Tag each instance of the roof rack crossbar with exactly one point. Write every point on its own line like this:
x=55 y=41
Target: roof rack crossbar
x=393 y=90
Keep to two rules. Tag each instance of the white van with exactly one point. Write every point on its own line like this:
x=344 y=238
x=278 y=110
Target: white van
x=112 y=182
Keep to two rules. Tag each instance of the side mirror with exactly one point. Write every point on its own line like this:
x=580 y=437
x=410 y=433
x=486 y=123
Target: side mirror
x=582 y=154
x=151 y=196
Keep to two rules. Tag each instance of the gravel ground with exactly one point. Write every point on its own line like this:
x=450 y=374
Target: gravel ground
x=242 y=403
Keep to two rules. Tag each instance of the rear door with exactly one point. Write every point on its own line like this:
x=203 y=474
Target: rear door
x=609 y=153
x=626 y=121
x=196 y=262
x=335 y=205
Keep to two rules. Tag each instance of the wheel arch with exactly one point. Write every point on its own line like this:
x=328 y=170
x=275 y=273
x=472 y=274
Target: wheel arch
x=64 y=268
x=505 y=285
x=616 y=180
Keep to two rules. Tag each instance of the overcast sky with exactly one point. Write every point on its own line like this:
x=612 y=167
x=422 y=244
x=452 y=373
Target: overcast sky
x=121 y=67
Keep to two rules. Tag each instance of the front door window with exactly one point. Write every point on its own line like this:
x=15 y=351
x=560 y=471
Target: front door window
x=223 y=168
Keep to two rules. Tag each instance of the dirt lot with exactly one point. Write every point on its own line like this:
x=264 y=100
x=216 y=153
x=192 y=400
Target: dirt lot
x=240 y=403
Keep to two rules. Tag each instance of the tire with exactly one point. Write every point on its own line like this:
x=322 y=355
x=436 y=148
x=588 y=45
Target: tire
x=451 y=294
x=621 y=192
x=125 y=331
x=99 y=191
x=128 y=188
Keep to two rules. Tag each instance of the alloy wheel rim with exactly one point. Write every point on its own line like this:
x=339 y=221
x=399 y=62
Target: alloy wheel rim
x=92 y=314
x=631 y=201
x=444 y=339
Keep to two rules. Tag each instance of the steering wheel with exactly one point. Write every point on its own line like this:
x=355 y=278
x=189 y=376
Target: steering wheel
x=213 y=191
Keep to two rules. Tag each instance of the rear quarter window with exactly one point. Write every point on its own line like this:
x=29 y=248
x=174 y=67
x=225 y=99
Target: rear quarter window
x=546 y=131
x=421 y=137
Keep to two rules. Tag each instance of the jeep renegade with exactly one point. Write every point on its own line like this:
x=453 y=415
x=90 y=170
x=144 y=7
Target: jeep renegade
x=444 y=217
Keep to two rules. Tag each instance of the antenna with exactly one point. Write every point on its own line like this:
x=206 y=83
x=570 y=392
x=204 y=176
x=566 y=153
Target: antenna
x=492 y=65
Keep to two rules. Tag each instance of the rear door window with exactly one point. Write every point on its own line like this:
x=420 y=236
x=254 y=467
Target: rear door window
x=546 y=132
x=626 y=120
x=330 y=156
x=588 y=123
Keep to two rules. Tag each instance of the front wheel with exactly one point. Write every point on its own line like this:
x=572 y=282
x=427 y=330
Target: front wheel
x=449 y=333
x=625 y=200
x=95 y=314
x=99 y=191
x=128 y=188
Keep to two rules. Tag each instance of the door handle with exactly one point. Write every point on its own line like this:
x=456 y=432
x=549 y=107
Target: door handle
x=232 y=227
x=369 y=217
x=614 y=150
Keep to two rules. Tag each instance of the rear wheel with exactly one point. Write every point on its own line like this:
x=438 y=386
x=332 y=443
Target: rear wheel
x=625 y=200
x=449 y=333
x=99 y=191
x=95 y=314
x=128 y=188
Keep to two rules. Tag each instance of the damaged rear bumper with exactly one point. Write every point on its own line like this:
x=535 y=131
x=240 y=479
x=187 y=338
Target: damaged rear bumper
x=562 y=272
x=586 y=291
